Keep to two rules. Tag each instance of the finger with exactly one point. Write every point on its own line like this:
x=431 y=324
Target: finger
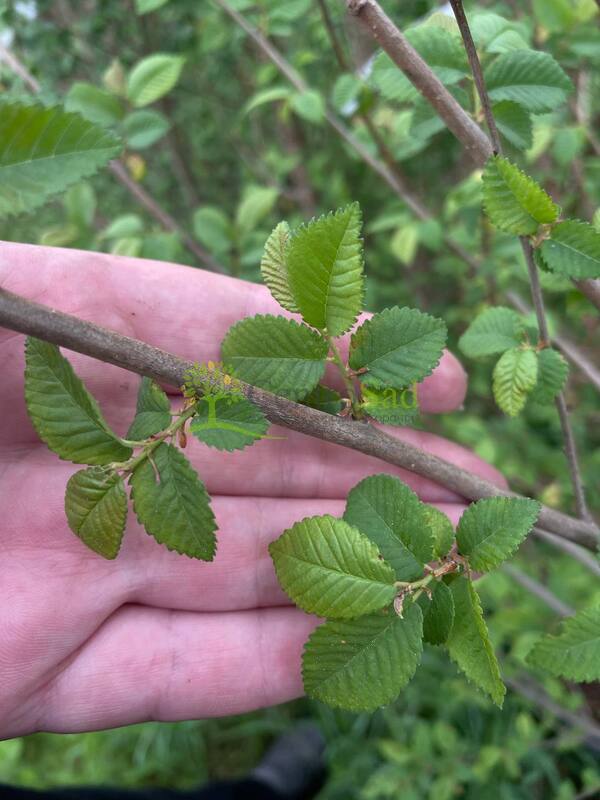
x=242 y=575
x=152 y=664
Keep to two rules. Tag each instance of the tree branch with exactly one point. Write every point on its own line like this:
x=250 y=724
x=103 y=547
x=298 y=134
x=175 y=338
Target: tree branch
x=31 y=318
x=403 y=54
x=471 y=50
x=538 y=590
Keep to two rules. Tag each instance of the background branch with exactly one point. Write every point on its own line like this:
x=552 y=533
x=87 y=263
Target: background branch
x=26 y=316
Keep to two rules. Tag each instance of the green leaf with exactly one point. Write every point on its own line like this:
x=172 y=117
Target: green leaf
x=144 y=128
x=273 y=267
x=97 y=105
x=442 y=51
x=153 y=77
x=492 y=332
x=575 y=653
x=552 y=375
x=515 y=375
x=276 y=354
x=228 y=423
x=258 y=202
x=506 y=42
x=443 y=532
x=469 y=643
x=325 y=269
x=309 y=105
x=530 y=78
x=364 y=663
x=513 y=201
x=573 y=249
x=438 y=614
x=390 y=406
x=393 y=517
x=174 y=506
x=267 y=96
x=345 y=93
x=146 y=6
x=514 y=123
x=329 y=568
x=397 y=347
x=491 y=530
x=324 y=399
x=213 y=229
x=152 y=413
x=123 y=226
x=404 y=243
x=64 y=414
x=96 y=509
x=45 y=150
x=80 y=205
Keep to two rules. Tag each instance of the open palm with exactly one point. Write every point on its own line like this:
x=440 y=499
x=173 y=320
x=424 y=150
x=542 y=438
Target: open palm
x=86 y=643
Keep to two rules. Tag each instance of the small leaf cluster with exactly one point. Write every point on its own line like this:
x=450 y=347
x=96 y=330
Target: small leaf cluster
x=317 y=271
x=525 y=370
x=388 y=576
x=516 y=203
x=169 y=499
x=520 y=80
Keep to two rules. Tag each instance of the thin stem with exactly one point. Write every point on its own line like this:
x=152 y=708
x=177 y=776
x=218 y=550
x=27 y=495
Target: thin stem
x=149 y=446
x=346 y=377
x=65 y=330
x=559 y=340
x=333 y=38
x=588 y=560
x=475 y=64
x=538 y=590
x=403 y=54
x=536 y=289
x=561 y=405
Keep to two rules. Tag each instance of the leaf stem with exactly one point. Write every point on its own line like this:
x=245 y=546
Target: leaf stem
x=344 y=372
x=149 y=445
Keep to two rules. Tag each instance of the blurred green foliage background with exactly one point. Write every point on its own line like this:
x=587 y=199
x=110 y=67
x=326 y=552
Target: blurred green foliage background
x=229 y=151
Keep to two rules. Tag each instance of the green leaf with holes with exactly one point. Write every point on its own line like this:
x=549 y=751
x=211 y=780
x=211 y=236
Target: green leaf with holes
x=45 y=150
x=276 y=354
x=152 y=413
x=361 y=664
x=96 y=509
x=492 y=332
x=170 y=501
x=491 y=530
x=325 y=269
x=573 y=249
x=64 y=414
x=574 y=653
x=469 y=642
x=329 y=568
x=228 y=423
x=515 y=375
x=393 y=517
x=513 y=201
x=397 y=347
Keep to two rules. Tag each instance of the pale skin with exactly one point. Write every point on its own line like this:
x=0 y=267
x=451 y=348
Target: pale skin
x=86 y=643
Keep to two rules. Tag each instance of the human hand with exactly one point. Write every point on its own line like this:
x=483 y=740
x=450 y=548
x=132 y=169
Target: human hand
x=88 y=644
